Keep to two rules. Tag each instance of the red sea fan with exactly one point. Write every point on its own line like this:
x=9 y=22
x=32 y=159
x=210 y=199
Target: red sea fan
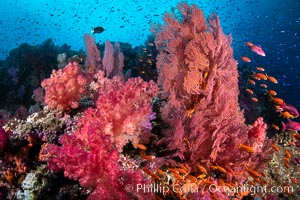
x=93 y=59
x=199 y=77
x=65 y=87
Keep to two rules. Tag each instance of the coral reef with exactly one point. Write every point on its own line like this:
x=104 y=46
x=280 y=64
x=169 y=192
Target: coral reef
x=96 y=132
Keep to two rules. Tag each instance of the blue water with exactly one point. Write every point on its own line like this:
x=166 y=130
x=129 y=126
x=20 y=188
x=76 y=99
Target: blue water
x=275 y=25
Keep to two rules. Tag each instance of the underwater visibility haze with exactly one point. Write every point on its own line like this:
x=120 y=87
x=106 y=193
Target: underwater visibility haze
x=149 y=99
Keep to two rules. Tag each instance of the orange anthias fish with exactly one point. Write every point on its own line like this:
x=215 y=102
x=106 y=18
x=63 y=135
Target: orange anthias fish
x=288 y=154
x=255 y=77
x=255 y=48
x=245 y=59
x=261 y=76
x=254 y=99
x=249 y=91
x=141 y=146
x=263 y=85
x=287 y=115
x=272 y=92
x=275 y=127
x=246 y=148
x=260 y=69
x=272 y=79
x=275 y=147
x=252 y=82
x=278 y=101
x=253 y=173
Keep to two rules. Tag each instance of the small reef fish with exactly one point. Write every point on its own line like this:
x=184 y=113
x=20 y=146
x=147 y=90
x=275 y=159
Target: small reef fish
x=255 y=48
x=260 y=69
x=272 y=92
x=261 y=76
x=287 y=115
x=292 y=144
x=287 y=165
x=288 y=154
x=253 y=173
x=245 y=59
x=263 y=85
x=201 y=169
x=146 y=157
x=277 y=101
x=291 y=109
x=249 y=91
x=246 y=148
x=272 y=79
x=275 y=127
x=255 y=77
x=292 y=125
x=254 y=99
x=252 y=82
x=160 y=172
x=141 y=146
x=275 y=147
x=278 y=108
x=98 y=29
x=222 y=170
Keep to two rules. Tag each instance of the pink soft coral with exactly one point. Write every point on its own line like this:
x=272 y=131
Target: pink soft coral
x=65 y=87
x=122 y=110
x=90 y=155
x=94 y=163
x=257 y=133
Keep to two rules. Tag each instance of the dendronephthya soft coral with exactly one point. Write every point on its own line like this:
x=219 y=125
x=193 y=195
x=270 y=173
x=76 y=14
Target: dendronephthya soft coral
x=65 y=87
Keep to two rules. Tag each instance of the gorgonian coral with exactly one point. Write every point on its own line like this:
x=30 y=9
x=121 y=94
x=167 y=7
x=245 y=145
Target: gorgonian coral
x=65 y=87
x=199 y=78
